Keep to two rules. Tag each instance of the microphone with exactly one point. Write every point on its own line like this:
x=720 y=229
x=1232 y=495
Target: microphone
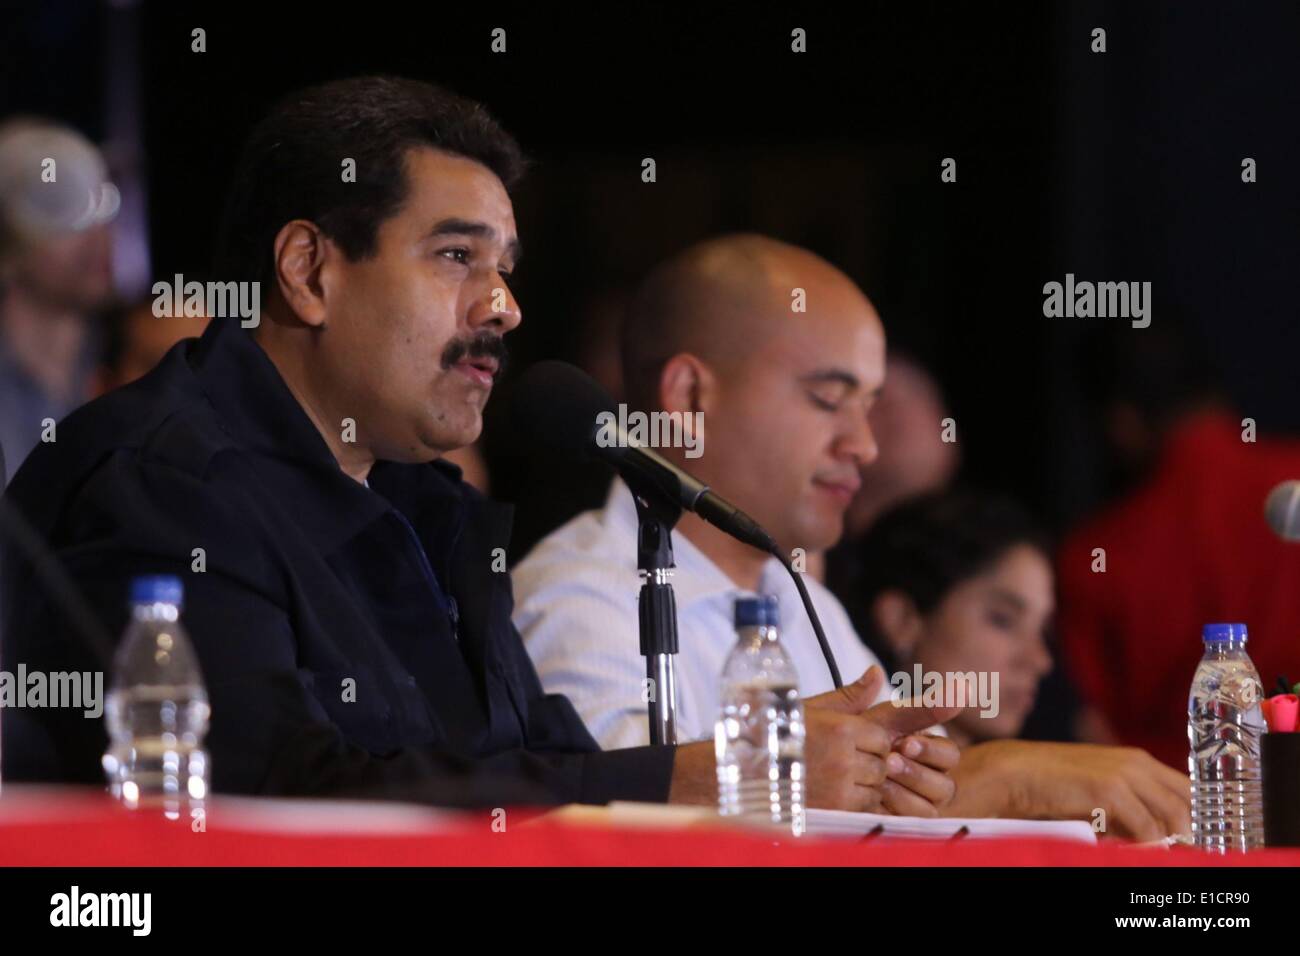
x=561 y=403
x=1282 y=510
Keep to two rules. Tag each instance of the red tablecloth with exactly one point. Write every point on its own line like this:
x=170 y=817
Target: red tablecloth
x=62 y=828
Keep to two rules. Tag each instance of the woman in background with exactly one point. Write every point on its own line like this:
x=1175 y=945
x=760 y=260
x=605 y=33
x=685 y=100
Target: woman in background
x=959 y=582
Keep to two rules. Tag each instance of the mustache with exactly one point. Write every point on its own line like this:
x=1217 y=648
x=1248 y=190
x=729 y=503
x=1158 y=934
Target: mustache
x=481 y=345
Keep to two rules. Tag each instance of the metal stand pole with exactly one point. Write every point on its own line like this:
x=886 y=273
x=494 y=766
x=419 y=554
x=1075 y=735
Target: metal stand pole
x=657 y=609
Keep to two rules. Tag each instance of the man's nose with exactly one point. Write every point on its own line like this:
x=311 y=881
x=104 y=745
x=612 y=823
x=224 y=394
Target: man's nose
x=496 y=309
x=859 y=441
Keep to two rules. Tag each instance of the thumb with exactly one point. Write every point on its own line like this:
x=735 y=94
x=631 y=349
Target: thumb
x=909 y=715
x=852 y=698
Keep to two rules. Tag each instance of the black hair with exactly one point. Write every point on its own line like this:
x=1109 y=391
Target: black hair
x=292 y=164
x=927 y=546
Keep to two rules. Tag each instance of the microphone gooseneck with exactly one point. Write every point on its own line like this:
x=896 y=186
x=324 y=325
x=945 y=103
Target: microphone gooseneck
x=812 y=617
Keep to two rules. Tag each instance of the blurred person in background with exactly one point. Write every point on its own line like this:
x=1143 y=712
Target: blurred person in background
x=55 y=274
x=135 y=340
x=907 y=421
x=959 y=582
x=1185 y=544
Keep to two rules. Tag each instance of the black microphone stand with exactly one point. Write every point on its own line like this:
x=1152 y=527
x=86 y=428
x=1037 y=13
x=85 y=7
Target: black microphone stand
x=657 y=608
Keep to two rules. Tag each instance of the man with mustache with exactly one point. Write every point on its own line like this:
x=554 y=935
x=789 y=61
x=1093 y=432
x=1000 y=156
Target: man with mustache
x=784 y=395
x=345 y=591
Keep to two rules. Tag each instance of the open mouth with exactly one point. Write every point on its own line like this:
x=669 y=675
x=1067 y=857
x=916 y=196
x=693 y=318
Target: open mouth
x=480 y=370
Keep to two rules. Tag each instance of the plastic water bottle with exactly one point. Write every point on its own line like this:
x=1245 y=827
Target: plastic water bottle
x=157 y=708
x=759 y=737
x=1224 y=724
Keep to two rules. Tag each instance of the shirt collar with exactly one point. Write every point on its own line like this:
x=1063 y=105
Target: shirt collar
x=254 y=403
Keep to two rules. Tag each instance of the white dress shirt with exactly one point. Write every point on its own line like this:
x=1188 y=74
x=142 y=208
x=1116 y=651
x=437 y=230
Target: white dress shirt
x=576 y=607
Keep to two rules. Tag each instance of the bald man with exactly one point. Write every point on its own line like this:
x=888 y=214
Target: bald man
x=784 y=393
x=705 y=336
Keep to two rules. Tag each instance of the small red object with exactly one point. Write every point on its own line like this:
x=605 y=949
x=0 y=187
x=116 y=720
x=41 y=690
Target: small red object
x=1285 y=707
x=1266 y=705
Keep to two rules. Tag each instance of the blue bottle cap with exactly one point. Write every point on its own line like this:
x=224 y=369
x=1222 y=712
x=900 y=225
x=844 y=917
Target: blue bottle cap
x=759 y=610
x=1214 y=633
x=157 y=589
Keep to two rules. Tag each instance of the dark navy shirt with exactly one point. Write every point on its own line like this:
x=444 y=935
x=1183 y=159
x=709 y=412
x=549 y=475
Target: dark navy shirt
x=354 y=639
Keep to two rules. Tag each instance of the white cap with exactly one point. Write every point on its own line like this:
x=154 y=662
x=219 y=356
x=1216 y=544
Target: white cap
x=52 y=180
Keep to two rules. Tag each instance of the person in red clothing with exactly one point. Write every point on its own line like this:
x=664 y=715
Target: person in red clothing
x=1188 y=545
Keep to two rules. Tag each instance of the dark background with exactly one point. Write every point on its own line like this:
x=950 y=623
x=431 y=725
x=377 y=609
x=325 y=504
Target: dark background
x=1116 y=166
